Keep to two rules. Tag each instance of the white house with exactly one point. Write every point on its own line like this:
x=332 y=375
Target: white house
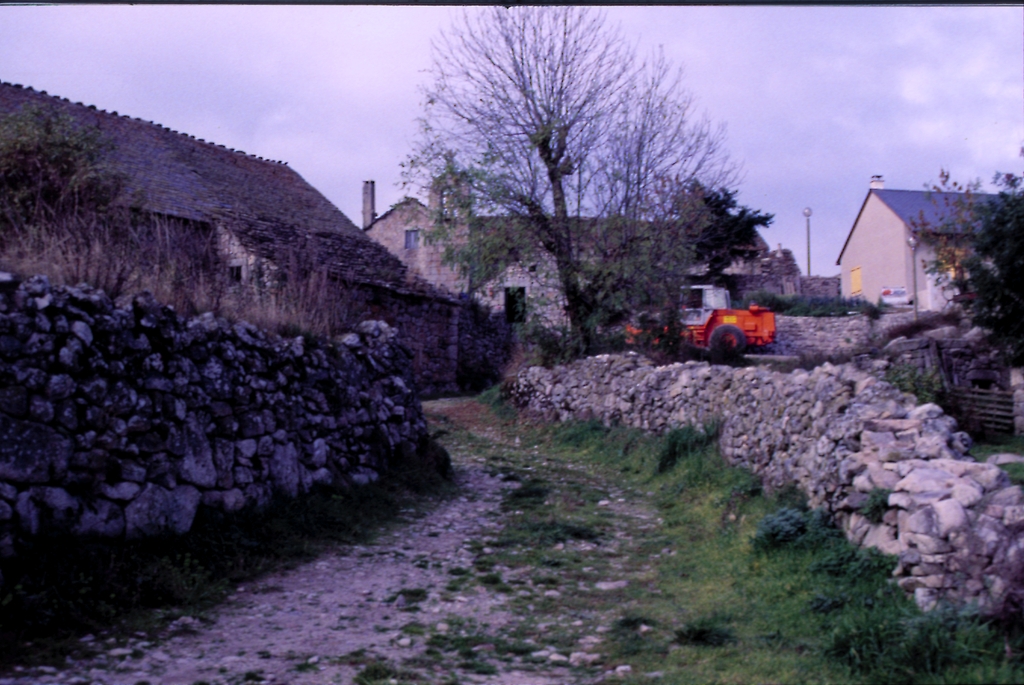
x=877 y=254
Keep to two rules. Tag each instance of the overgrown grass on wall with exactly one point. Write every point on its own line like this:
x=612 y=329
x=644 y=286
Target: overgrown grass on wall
x=763 y=589
x=800 y=305
x=182 y=264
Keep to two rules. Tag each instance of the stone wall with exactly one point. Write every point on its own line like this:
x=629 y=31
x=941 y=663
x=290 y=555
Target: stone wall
x=452 y=343
x=119 y=423
x=820 y=286
x=838 y=433
x=832 y=335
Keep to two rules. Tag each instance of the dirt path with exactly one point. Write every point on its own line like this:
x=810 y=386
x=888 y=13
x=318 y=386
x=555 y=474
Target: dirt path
x=439 y=597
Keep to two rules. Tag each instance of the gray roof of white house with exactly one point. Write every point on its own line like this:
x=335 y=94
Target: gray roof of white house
x=915 y=207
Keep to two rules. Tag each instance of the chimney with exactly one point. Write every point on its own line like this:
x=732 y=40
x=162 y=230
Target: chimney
x=877 y=183
x=369 y=210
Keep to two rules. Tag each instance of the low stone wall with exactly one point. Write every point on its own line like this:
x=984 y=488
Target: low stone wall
x=119 y=423
x=837 y=433
x=831 y=336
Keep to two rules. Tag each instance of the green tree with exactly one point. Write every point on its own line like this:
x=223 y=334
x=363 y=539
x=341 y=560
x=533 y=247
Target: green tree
x=51 y=169
x=996 y=266
x=546 y=117
x=950 y=229
x=727 y=232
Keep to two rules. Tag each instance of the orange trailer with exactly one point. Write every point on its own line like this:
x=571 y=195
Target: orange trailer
x=711 y=322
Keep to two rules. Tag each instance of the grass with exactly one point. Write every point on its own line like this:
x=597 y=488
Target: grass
x=995 y=444
x=736 y=584
x=800 y=305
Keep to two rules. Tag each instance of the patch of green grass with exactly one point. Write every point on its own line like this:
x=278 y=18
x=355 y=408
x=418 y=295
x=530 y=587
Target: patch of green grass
x=995 y=444
x=774 y=588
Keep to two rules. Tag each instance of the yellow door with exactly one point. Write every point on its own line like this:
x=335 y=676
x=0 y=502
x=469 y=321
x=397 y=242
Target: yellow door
x=855 y=285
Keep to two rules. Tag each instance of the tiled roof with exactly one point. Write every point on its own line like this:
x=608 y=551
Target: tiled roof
x=266 y=204
x=911 y=206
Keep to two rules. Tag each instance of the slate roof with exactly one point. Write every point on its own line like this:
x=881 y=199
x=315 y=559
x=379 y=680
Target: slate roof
x=266 y=204
x=913 y=205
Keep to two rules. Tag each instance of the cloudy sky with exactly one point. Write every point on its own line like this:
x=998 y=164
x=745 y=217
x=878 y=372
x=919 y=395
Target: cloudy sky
x=816 y=99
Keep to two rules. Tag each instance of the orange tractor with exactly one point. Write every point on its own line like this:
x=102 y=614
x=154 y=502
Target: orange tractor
x=711 y=322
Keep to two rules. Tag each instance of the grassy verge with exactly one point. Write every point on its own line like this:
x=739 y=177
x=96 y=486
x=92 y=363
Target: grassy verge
x=60 y=589
x=737 y=585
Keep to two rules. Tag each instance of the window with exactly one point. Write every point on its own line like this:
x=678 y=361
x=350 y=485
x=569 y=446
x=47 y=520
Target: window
x=515 y=305
x=856 y=289
x=412 y=239
x=235 y=274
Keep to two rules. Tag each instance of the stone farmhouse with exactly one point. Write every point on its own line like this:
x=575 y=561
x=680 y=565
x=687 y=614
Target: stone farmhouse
x=402 y=230
x=261 y=210
x=877 y=255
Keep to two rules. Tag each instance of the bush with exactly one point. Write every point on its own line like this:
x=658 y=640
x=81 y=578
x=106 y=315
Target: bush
x=781 y=528
x=793 y=527
x=800 y=305
x=693 y=448
x=876 y=505
x=897 y=644
x=926 y=387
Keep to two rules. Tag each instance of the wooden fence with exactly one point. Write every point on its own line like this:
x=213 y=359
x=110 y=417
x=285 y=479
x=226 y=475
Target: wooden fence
x=992 y=409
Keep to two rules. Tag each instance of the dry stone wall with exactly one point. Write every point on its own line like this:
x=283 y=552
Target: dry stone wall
x=832 y=336
x=120 y=423
x=838 y=433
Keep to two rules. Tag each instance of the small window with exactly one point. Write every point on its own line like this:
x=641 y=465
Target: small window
x=856 y=289
x=515 y=305
x=412 y=239
x=533 y=268
x=235 y=273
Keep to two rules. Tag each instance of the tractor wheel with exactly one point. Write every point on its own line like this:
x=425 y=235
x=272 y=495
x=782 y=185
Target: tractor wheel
x=728 y=340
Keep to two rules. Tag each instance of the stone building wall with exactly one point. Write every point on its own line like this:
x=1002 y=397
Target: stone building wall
x=820 y=286
x=425 y=259
x=120 y=423
x=838 y=433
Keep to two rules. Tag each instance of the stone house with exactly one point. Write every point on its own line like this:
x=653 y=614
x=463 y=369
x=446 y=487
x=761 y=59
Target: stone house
x=877 y=254
x=261 y=211
x=403 y=227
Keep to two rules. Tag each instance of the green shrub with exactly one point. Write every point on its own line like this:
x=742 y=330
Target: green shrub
x=781 y=528
x=789 y=526
x=690 y=445
x=876 y=505
x=800 y=305
x=897 y=644
x=927 y=387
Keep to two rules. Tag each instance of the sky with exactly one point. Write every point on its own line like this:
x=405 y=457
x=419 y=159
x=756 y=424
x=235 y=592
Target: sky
x=815 y=100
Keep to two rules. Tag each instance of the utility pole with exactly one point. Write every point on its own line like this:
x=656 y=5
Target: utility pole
x=807 y=214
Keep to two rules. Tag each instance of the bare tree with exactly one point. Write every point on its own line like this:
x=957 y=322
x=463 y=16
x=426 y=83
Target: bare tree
x=544 y=116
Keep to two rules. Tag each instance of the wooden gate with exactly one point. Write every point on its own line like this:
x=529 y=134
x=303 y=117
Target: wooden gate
x=993 y=409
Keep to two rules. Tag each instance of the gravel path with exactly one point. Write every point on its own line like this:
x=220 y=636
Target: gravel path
x=386 y=609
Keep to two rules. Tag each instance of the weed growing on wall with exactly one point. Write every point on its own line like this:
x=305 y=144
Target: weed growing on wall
x=926 y=386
